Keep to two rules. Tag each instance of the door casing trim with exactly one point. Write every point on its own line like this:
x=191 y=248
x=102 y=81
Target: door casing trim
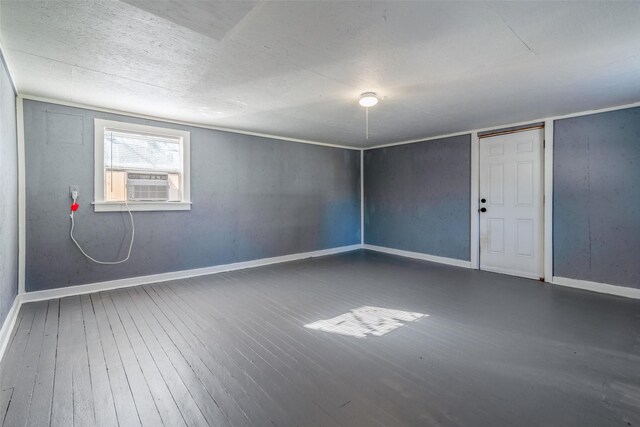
x=547 y=198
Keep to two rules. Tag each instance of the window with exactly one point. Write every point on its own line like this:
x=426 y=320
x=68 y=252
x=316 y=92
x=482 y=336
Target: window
x=146 y=166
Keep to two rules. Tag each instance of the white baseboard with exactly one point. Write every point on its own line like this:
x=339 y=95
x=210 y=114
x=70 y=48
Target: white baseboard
x=562 y=281
x=8 y=324
x=418 y=255
x=163 y=277
x=597 y=287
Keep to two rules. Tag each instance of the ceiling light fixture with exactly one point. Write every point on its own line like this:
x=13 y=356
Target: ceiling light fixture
x=367 y=100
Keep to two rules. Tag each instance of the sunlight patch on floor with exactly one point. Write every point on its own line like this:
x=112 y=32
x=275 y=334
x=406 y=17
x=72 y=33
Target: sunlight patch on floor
x=366 y=320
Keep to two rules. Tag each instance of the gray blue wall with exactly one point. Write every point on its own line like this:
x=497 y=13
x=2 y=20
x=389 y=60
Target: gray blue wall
x=255 y=198
x=417 y=197
x=252 y=198
x=596 y=198
x=8 y=194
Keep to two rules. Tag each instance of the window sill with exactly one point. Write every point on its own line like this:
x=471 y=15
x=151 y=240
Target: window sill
x=141 y=206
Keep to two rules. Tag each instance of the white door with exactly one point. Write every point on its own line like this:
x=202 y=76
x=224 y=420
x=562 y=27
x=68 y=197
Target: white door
x=511 y=204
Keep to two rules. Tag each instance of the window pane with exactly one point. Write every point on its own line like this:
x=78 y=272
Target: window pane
x=115 y=185
x=129 y=151
x=174 y=187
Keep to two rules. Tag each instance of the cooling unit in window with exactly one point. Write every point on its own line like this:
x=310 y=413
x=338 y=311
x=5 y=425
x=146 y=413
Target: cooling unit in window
x=148 y=187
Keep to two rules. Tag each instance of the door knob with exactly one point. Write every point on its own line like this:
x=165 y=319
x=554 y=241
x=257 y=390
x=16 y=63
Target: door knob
x=483 y=209
x=483 y=200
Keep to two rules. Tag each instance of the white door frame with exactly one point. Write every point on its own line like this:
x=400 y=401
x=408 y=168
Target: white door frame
x=475 y=201
x=547 y=166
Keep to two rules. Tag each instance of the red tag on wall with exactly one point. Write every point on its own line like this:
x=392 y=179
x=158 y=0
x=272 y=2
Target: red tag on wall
x=74 y=207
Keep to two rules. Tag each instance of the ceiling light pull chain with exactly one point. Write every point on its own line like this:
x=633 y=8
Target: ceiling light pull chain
x=366 y=114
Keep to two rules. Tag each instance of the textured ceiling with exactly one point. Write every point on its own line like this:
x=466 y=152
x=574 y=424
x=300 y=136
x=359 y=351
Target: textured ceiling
x=295 y=69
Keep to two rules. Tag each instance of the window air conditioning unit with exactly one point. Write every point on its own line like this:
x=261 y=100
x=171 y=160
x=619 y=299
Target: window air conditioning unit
x=149 y=187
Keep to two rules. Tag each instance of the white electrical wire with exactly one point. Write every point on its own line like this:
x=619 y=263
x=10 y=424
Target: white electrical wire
x=133 y=233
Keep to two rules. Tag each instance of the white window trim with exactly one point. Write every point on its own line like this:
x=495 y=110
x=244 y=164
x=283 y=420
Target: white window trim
x=99 y=203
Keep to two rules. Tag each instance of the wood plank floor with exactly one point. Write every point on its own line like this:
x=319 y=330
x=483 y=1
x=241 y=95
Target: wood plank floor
x=231 y=349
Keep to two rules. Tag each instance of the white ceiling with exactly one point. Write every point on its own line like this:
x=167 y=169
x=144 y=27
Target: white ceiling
x=295 y=69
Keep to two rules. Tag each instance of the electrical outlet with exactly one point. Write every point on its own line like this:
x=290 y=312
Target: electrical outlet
x=74 y=189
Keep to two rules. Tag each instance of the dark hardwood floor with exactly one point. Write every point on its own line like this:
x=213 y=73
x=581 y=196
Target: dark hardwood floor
x=232 y=349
